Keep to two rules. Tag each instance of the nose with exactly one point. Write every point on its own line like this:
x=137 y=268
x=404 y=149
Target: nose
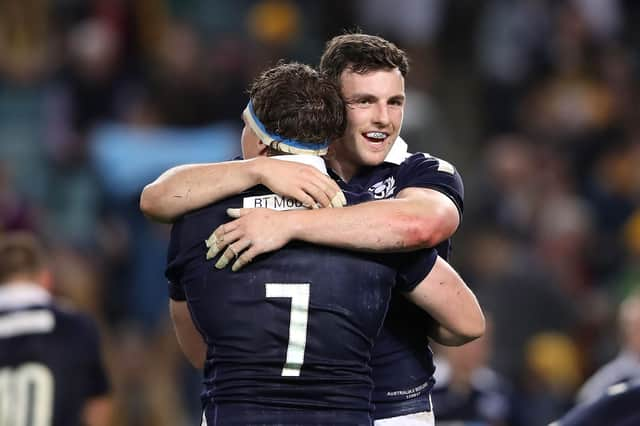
x=381 y=115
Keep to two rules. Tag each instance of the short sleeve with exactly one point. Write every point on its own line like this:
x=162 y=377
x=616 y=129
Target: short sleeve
x=354 y=198
x=174 y=268
x=414 y=267
x=425 y=171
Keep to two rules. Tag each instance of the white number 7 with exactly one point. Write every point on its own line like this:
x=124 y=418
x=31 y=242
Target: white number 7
x=299 y=294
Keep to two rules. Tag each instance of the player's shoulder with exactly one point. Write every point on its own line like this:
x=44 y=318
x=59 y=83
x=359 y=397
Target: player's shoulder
x=425 y=170
x=428 y=161
x=77 y=322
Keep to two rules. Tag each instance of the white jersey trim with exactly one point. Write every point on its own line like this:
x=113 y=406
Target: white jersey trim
x=26 y=322
x=311 y=160
x=18 y=295
x=398 y=153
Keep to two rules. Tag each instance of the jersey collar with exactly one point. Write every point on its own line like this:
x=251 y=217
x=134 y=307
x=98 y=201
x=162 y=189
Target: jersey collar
x=398 y=153
x=312 y=160
x=18 y=295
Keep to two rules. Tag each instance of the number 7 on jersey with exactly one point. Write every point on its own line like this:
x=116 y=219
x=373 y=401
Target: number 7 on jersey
x=299 y=295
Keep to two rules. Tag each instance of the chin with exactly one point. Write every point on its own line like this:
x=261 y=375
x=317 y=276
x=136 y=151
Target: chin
x=374 y=159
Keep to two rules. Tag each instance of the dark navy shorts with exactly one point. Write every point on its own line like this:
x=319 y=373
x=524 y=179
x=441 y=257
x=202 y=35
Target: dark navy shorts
x=419 y=404
x=255 y=415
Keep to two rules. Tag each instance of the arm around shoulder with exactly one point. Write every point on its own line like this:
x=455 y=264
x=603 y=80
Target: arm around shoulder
x=446 y=297
x=191 y=186
x=433 y=216
x=417 y=218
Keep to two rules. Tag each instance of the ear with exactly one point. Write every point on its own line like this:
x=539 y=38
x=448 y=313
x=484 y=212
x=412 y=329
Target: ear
x=263 y=149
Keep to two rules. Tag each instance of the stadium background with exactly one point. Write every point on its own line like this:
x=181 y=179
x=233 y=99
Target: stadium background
x=534 y=101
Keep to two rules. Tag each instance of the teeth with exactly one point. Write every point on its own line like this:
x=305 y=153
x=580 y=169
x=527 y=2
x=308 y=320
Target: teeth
x=376 y=135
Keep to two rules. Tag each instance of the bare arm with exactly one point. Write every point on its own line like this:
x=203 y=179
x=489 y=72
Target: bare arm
x=188 y=187
x=417 y=218
x=189 y=338
x=445 y=296
x=184 y=188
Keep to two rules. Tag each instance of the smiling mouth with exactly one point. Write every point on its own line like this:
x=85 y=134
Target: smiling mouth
x=375 y=137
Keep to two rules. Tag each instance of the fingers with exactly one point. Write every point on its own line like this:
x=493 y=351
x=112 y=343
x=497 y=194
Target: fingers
x=231 y=253
x=244 y=259
x=320 y=187
x=327 y=195
x=335 y=194
x=319 y=197
x=219 y=239
x=339 y=200
x=213 y=241
x=306 y=199
x=236 y=213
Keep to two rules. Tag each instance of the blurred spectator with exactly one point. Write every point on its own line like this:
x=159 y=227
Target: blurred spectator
x=509 y=49
x=509 y=192
x=554 y=370
x=626 y=366
x=16 y=213
x=25 y=41
x=523 y=297
x=421 y=19
x=467 y=390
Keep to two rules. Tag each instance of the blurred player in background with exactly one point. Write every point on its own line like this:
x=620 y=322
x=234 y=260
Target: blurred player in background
x=51 y=371
x=419 y=205
x=617 y=406
x=626 y=366
x=289 y=339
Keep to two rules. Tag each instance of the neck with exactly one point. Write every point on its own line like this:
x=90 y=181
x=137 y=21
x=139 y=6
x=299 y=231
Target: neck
x=342 y=169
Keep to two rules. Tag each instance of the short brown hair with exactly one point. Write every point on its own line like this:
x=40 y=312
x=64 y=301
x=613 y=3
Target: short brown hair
x=361 y=53
x=296 y=102
x=21 y=254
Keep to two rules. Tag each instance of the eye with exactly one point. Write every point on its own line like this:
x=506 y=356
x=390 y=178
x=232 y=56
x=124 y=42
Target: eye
x=361 y=101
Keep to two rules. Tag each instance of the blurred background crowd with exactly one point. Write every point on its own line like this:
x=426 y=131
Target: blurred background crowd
x=534 y=101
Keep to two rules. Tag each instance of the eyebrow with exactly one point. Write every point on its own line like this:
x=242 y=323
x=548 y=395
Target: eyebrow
x=398 y=98
x=372 y=96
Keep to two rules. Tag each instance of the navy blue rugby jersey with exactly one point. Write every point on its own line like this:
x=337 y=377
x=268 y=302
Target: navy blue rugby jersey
x=402 y=361
x=50 y=362
x=294 y=328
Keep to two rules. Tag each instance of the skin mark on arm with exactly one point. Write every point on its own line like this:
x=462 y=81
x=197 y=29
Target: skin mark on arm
x=183 y=196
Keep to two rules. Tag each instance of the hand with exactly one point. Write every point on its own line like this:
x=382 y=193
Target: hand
x=301 y=182
x=254 y=232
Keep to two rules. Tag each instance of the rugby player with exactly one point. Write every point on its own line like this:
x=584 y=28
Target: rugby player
x=51 y=371
x=419 y=205
x=330 y=303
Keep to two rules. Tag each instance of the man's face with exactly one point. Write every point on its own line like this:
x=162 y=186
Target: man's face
x=375 y=108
